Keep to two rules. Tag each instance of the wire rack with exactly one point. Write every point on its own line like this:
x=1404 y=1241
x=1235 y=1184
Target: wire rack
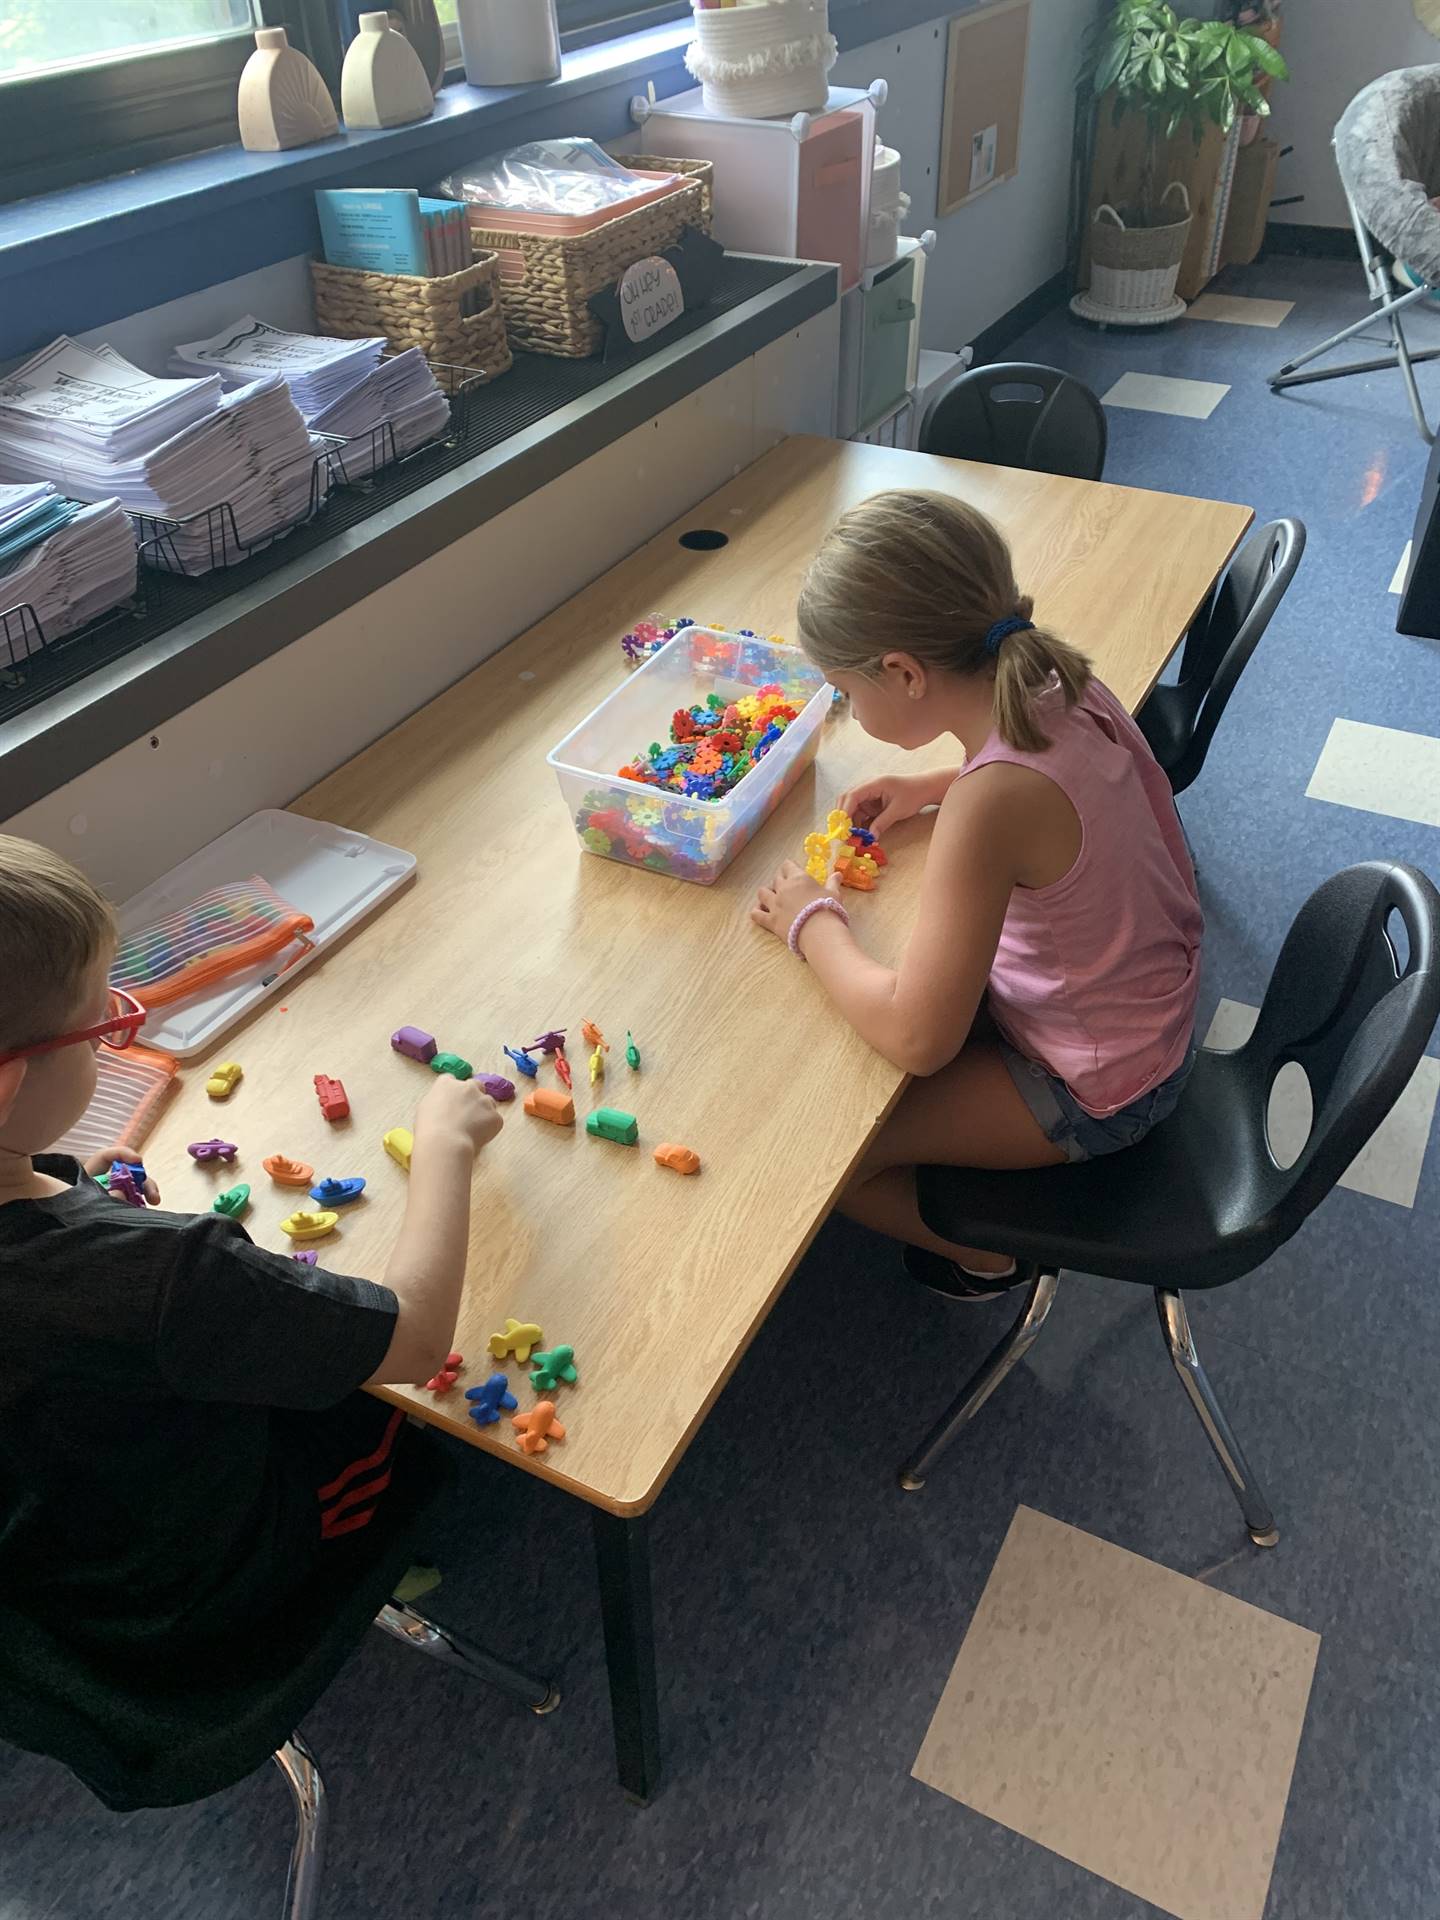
x=342 y=496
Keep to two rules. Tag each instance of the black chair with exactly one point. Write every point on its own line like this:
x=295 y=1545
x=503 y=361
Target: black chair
x=1179 y=720
x=1015 y=414
x=1201 y=1200
x=217 y=1715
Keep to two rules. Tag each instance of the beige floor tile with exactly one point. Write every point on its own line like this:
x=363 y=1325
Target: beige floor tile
x=1126 y=1717
x=1239 y=310
x=1379 y=770
x=1389 y=1164
x=1402 y=568
x=1164 y=393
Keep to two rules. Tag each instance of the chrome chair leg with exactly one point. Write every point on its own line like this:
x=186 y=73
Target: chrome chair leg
x=307 y=1856
x=1175 y=1325
x=978 y=1389
x=402 y=1622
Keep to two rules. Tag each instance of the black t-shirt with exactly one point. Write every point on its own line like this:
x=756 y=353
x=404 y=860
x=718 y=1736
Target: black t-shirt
x=171 y=1414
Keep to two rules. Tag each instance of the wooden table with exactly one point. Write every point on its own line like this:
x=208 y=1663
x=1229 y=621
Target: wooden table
x=658 y=1282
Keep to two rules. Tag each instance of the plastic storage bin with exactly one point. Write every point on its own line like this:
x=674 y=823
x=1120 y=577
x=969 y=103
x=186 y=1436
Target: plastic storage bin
x=651 y=827
x=879 y=336
x=797 y=187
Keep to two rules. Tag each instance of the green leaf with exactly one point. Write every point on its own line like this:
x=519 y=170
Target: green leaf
x=1157 y=72
x=1209 y=56
x=1112 y=59
x=1237 y=59
x=1269 y=59
x=1227 y=113
x=1172 y=125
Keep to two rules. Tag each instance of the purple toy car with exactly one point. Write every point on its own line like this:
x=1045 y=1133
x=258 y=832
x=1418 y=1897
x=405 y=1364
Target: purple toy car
x=415 y=1044
x=496 y=1085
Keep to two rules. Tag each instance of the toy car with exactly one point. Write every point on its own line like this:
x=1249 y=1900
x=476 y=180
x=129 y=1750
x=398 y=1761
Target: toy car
x=334 y=1103
x=224 y=1080
x=414 y=1043
x=452 y=1064
x=612 y=1123
x=497 y=1086
x=399 y=1143
x=678 y=1159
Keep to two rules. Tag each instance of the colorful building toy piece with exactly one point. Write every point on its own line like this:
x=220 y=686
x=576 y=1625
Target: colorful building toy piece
x=337 y=1193
x=632 y=1052
x=549 y=1042
x=306 y=1225
x=211 y=1150
x=520 y=1338
x=334 y=1102
x=487 y=1403
x=414 y=1043
x=233 y=1201
x=522 y=1060
x=679 y=1159
x=497 y=1086
x=538 y=1427
x=224 y=1080
x=288 y=1173
x=547 y=1370
x=612 y=1123
x=546 y=1104
x=399 y=1143
x=123 y=1185
x=452 y=1064
x=306 y=1256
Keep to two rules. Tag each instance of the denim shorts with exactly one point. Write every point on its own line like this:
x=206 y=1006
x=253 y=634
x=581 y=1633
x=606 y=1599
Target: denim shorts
x=1080 y=1135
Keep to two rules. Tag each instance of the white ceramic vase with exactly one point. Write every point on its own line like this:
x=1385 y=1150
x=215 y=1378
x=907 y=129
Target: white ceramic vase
x=508 y=43
x=382 y=83
x=282 y=101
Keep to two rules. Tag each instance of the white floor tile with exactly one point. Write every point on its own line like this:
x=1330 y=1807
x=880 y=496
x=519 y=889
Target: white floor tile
x=1397 y=583
x=1159 y=393
x=1388 y=1166
x=1128 y=1718
x=1379 y=770
x=1239 y=310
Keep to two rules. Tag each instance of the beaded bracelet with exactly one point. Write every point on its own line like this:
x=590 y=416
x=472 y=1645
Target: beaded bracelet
x=824 y=905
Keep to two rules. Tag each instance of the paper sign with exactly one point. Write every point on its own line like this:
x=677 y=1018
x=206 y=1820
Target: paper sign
x=650 y=297
x=982 y=158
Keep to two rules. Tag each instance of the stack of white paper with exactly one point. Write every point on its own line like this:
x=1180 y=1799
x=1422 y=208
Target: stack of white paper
x=68 y=577
x=402 y=391
x=174 y=449
x=318 y=370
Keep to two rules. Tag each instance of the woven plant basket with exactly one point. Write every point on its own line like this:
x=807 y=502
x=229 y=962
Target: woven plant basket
x=1134 y=269
x=415 y=311
x=546 y=282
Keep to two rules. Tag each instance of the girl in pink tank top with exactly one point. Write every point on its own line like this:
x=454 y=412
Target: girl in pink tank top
x=1045 y=1003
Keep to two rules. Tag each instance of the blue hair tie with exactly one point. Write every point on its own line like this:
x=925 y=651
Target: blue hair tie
x=1003 y=628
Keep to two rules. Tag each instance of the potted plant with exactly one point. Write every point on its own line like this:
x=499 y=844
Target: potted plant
x=1173 y=73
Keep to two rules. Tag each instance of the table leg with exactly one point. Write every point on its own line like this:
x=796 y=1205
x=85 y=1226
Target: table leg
x=622 y=1555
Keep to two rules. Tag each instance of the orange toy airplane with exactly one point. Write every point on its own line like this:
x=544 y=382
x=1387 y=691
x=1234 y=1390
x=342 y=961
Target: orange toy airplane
x=538 y=1427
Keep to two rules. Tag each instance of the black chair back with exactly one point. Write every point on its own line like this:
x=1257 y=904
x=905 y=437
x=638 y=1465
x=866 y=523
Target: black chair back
x=1180 y=720
x=1353 y=999
x=1016 y=414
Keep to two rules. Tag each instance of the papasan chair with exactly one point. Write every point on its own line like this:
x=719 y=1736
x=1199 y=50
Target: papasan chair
x=1387 y=147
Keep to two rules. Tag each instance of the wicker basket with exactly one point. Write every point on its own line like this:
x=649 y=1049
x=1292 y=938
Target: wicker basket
x=545 y=282
x=1134 y=269
x=414 y=311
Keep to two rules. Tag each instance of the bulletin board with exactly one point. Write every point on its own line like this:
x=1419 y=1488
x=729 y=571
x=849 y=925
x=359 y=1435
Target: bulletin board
x=984 y=93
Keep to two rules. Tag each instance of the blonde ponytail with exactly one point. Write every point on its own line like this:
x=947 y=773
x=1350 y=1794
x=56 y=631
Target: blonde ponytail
x=922 y=573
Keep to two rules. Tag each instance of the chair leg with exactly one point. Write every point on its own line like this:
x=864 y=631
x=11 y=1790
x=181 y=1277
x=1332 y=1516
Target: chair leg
x=307 y=1856
x=978 y=1389
x=402 y=1622
x=1175 y=1325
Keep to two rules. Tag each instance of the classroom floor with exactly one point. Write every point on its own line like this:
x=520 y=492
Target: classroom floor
x=1067 y=1636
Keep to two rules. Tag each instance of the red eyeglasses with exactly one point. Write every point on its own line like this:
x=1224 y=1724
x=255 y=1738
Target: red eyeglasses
x=118 y=1029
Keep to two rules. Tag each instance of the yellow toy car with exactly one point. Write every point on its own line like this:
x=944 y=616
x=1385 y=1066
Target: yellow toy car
x=224 y=1080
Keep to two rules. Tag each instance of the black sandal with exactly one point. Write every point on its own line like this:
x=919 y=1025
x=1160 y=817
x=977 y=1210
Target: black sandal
x=946 y=1277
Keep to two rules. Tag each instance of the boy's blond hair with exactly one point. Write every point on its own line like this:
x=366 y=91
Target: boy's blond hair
x=52 y=925
x=922 y=573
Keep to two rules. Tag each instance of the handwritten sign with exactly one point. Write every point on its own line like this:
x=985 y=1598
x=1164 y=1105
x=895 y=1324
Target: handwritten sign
x=650 y=297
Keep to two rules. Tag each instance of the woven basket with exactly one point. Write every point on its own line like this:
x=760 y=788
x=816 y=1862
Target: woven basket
x=546 y=282
x=1134 y=269
x=415 y=311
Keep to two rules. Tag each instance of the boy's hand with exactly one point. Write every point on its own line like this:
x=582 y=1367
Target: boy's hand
x=460 y=1109
x=877 y=805
x=101 y=1162
x=792 y=888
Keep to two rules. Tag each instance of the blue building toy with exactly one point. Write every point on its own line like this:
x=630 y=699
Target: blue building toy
x=488 y=1402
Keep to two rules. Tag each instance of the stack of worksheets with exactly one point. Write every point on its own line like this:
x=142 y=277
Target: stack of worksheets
x=387 y=408
x=236 y=467
x=72 y=570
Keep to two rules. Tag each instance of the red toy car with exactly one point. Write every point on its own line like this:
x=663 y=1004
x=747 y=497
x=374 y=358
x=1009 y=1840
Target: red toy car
x=331 y=1095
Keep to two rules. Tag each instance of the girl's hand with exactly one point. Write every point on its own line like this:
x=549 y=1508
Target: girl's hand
x=792 y=888
x=458 y=1108
x=101 y=1163
x=880 y=804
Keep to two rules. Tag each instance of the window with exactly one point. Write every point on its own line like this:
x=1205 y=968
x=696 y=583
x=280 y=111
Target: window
x=38 y=37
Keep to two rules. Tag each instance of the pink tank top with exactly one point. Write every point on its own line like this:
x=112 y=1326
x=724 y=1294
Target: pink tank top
x=1096 y=975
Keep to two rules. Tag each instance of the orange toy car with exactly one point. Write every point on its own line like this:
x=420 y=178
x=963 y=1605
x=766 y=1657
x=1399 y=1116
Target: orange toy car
x=679 y=1159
